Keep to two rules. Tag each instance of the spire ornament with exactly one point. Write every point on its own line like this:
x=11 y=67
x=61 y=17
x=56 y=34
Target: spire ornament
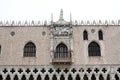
x=61 y=15
x=70 y=18
x=51 y=17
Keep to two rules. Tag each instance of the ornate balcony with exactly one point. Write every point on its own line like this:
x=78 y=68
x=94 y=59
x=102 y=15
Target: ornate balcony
x=62 y=58
x=62 y=61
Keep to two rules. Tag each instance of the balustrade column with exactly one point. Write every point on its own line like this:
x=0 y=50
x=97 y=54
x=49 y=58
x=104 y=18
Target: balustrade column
x=81 y=76
x=58 y=77
x=42 y=77
x=35 y=77
x=27 y=77
x=97 y=76
x=4 y=77
x=50 y=77
x=89 y=77
x=74 y=76
x=12 y=77
x=112 y=77
x=105 y=76
x=66 y=77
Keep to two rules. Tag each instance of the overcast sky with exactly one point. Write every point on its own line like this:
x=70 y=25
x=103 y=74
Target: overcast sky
x=42 y=9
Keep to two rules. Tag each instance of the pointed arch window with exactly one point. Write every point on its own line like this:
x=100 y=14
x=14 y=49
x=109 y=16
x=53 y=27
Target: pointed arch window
x=85 y=35
x=101 y=77
x=62 y=77
x=8 y=77
x=61 y=51
x=100 y=35
x=108 y=77
x=94 y=49
x=39 y=77
x=70 y=77
x=85 y=77
x=116 y=77
x=23 y=77
x=0 y=49
x=29 y=50
x=15 y=77
x=77 y=77
x=31 y=77
x=54 y=77
x=1 y=78
x=46 y=77
x=93 y=77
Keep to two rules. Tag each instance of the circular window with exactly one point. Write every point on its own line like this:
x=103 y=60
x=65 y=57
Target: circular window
x=12 y=33
x=93 y=30
x=43 y=33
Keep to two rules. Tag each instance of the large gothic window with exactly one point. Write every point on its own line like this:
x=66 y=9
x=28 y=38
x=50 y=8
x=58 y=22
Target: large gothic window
x=85 y=35
x=61 y=51
x=29 y=50
x=100 y=35
x=94 y=49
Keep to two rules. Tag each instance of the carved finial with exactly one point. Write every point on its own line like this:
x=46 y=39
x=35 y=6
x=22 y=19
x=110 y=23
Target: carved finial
x=45 y=23
x=118 y=22
x=51 y=17
x=70 y=18
x=61 y=15
x=76 y=23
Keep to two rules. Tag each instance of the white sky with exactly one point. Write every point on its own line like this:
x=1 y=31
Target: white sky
x=42 y=9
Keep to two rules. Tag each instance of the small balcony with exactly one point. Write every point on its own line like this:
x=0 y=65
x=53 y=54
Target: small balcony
x=62 y=58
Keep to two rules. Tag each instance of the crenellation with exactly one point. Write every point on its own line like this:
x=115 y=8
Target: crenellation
x=47 y=23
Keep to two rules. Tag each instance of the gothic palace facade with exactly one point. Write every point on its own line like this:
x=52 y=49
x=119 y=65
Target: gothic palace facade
x=60 y=50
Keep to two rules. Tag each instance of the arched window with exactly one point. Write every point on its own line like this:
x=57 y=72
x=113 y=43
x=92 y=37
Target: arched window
x=29 y=50
x=77 y=77
x=1 y=78
x=39 y=77
x=116 y=77
x=101 y=77
x=46 y=77
x=61 y=51
x=0 y=49
x=70 y=77
x=54 y=77
x=93 y=77
x=31 y=77
x=62 y=77
x=85 y=35
x=15 y=77
x=8 y=77
x=94 y=49
x=100 y=35
x=85 y=77
x=108 y=77
x=23 y=77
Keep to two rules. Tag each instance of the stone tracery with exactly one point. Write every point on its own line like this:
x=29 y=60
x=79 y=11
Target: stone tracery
x=62 y=75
